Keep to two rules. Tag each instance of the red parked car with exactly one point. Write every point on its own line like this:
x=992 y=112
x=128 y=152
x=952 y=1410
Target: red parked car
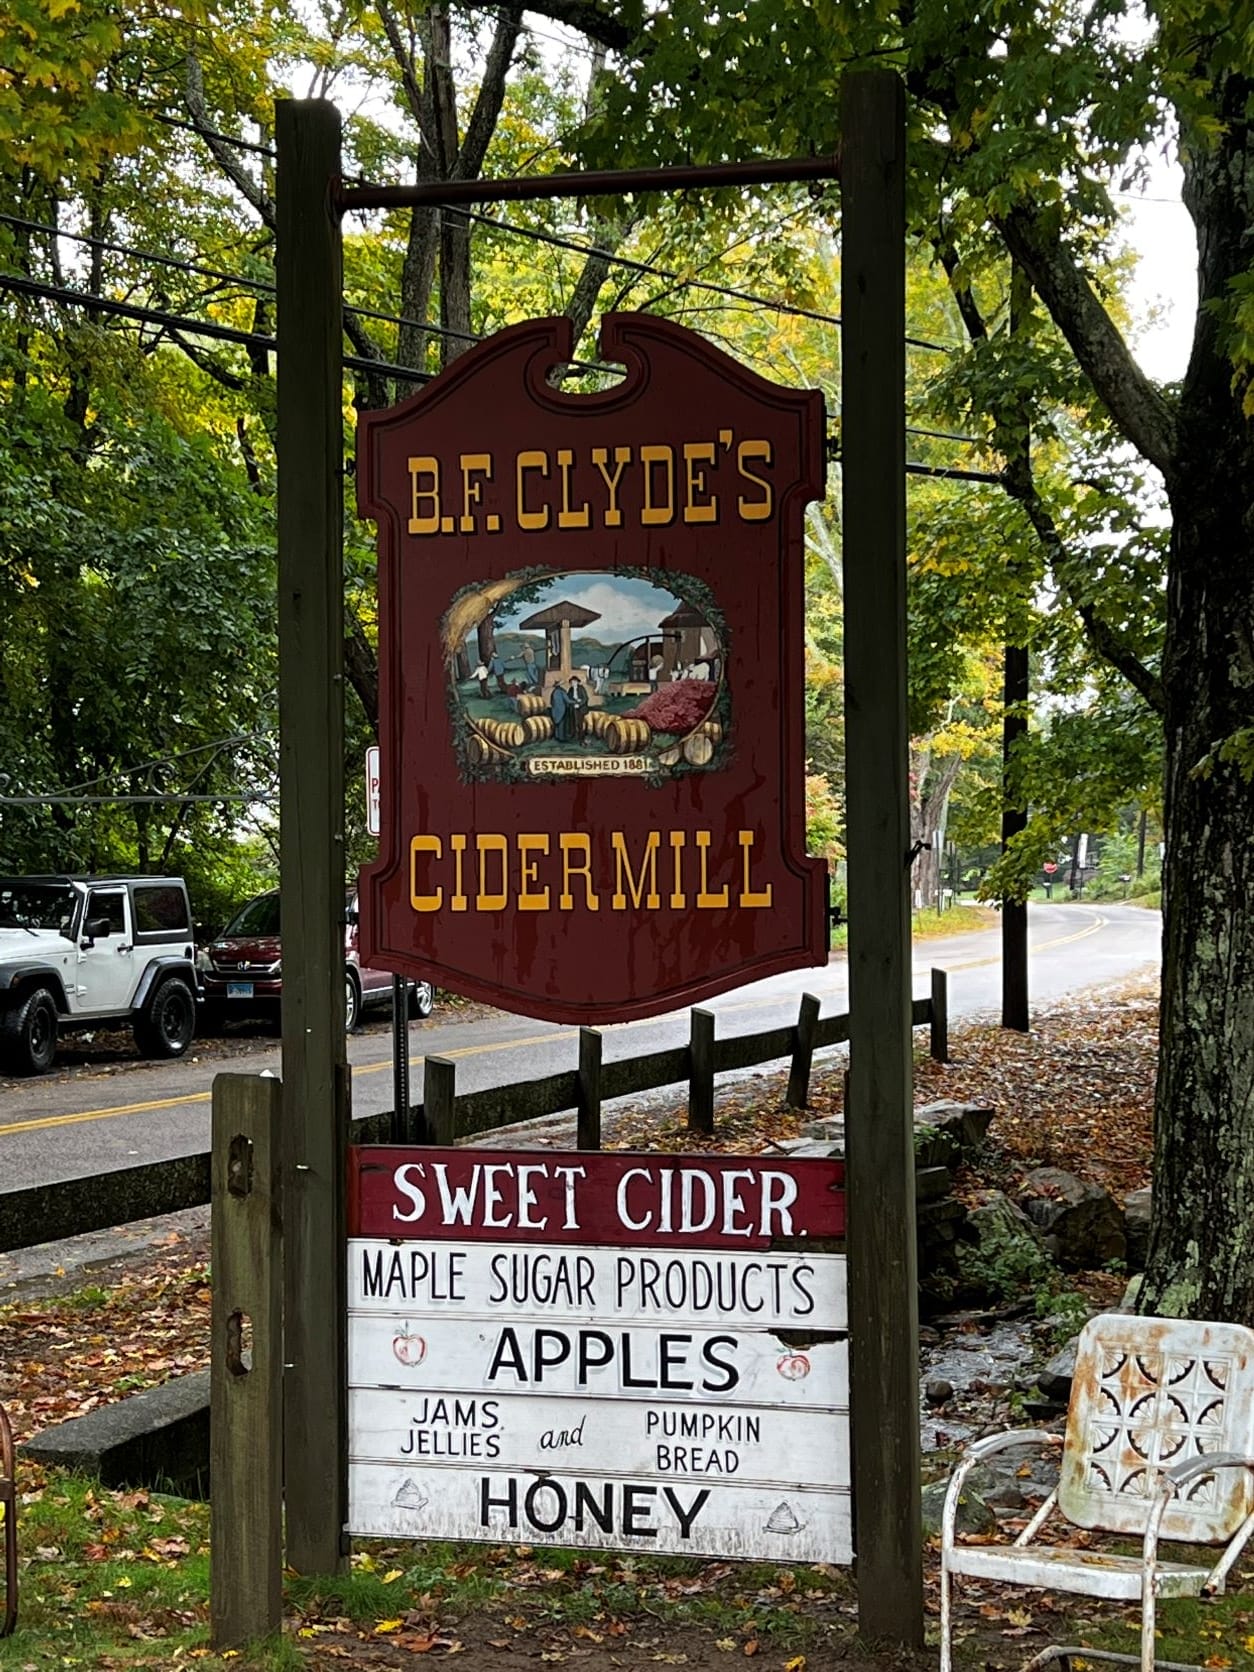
x=242 y=968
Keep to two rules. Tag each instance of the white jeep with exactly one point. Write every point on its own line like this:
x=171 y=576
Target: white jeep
x=82 y=952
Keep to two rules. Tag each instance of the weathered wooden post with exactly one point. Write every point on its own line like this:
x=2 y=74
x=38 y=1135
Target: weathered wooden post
x=938 y=1042
x=439 y=1099
x=311 y=854
x=246 y=1376
x=803 y=1052
x=883 y=1291
x=701 y=1072
x=589 y=1130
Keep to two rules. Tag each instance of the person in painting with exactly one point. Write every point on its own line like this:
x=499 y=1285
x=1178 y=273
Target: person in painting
x=577 y=698
x=564 y=716
x=531 y=673
x=481 y=674
x=497 y=667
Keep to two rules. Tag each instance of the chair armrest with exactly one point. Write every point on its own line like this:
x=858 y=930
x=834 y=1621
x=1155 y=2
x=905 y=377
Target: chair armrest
x=975 y=1453
x=1178 y=1473
x=1011 y=1437
x=1175 y=1477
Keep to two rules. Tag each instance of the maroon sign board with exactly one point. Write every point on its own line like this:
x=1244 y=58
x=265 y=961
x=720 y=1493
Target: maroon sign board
x=591 y=676
x=617 y=1351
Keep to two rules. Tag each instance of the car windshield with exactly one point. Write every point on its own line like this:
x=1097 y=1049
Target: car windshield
x=36 y=905
x=258 y=917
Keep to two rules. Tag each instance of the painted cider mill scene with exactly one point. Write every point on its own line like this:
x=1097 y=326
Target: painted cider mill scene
x=587 y=674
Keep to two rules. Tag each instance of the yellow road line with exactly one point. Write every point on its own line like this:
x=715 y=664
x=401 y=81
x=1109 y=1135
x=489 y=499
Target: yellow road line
x=1099 y=922
x=47 y=1121
x=102 y=1114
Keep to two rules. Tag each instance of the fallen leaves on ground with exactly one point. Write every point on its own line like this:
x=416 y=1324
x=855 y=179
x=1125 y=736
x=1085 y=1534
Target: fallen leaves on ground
x=63 y=1357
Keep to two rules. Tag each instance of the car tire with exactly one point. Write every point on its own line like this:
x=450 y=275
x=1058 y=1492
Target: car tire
x=421 y=999
x=167 y=1024
x=28 y=1033
x=352 y=1003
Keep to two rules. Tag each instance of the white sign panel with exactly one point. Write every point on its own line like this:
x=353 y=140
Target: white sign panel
x=634 y=1396
x=373 y=818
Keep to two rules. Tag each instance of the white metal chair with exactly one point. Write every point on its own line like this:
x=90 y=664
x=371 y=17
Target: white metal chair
x=1159 y=1443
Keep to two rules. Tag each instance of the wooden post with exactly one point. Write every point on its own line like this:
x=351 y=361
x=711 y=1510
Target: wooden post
x=701 y=1073
x=246 y=1376
x=311 y=851
x=439 y=1098
x=883 y=1289
x=803 y=1052
x=589 y=1129
x=1014 y=913
x=939 y=1041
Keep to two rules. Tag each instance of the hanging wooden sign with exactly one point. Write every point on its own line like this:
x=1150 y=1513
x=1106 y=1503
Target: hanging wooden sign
x=620 y=1351
x=591 y=676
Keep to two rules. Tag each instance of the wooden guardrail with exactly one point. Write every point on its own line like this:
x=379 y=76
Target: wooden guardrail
x=74 y=1207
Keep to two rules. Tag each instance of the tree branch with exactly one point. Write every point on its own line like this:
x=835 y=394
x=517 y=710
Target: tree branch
x=1105 y=639
x=249 y=189
x=419 y=103
x=1128 y=395
x=483 y=118
x=588 y=18
x=376 y=390
x=362 y=667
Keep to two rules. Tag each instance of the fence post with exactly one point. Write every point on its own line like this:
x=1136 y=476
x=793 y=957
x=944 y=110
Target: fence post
x=439 y=1095
x=803 y=1052
x=701 y=1073
x=589 y=1130
x=246 y=1378
x=939 y=1040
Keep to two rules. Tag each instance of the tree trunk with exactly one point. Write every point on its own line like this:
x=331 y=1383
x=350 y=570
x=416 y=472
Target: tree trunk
x=934 y=782
x=1201 y=1258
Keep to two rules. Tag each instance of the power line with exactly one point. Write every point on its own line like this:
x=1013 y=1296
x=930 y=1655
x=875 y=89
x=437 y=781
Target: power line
x=141 y=255
x=252 y=339
x=263 y=285
x=557 y=242
x=132 y=800
x=194 y=327
x=211 y=133
x=775 y=306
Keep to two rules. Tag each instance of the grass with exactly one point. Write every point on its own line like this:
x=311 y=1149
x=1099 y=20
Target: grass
x=930 y=924
x=120 y=1580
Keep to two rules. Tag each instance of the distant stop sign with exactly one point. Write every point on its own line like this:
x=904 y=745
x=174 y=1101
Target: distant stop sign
x=1049 y=867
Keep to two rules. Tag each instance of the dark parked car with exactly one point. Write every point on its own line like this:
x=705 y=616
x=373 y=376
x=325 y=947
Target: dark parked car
x=242 y=968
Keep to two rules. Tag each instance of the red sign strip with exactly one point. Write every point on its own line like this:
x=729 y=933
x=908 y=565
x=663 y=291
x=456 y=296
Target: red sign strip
x=617 y=1200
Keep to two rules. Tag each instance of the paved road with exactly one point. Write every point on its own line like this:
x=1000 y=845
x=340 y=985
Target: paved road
x=105 y=1113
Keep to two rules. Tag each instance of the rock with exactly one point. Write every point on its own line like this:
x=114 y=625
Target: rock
x=938 y=1391
x=813 y=1148
x=1081 y=1223
x=1136 y=1227
x=1055 y=1378
x=157 y=1438
x=932 y=1183
x=965 y=1125
x=974 y=1515
x=997 y=1222
x=827 y=1126
x=1000 y=1251
x=998 y=1488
